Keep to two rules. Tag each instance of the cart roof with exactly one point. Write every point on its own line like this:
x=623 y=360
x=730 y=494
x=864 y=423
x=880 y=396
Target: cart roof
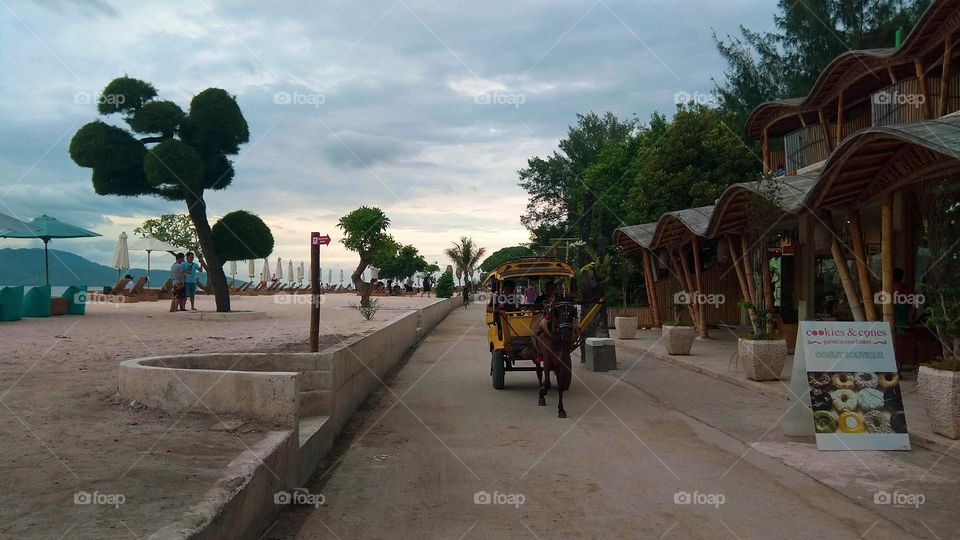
x=531 y=267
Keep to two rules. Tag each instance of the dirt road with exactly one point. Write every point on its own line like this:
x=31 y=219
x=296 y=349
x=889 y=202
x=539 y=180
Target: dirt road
x=442 y=454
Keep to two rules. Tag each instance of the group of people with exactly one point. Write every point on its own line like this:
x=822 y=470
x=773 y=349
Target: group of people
x=508 y=295
x=183 y=276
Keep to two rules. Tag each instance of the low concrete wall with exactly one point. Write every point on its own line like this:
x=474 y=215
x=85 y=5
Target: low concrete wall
x=431 y=315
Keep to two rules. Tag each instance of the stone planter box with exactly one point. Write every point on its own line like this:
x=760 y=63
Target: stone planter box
x=626 y=327
x=940 y=394
x=762 y=359
x=678 y=339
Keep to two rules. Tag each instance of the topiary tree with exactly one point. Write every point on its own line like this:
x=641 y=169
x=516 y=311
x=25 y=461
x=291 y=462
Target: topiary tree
x=445 y=285
x=365 y=231
x=178 y=155
x=241 y=235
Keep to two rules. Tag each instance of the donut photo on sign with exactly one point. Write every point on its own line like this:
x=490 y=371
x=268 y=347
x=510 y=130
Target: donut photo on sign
x=856 y=403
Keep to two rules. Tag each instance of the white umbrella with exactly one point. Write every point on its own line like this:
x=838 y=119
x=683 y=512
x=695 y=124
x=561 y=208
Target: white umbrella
x=374 y=273
x=290 y=271
x=341 y=276
x=121 y=255
x=300 y=272
x=252 y=269
x=233 y=270
x=329 y=276
x=149 y=245
x=266 y=270
x=279 y=270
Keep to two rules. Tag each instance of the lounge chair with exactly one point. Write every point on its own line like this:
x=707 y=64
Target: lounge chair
x=120 y=287
x=11 y=303
x=36 y=303
x=138 y=287
x=167 y=287
x=76 y=297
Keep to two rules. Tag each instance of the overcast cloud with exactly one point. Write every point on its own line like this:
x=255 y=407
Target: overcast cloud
x=426 y=109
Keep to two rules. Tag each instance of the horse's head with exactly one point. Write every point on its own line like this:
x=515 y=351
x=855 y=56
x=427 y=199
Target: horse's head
x=563 y=318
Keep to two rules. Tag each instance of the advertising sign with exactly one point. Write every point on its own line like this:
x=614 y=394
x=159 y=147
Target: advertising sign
x=845 y=387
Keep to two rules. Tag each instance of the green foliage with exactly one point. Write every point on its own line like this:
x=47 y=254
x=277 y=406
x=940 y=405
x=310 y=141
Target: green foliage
x=174 y=229
x=161 y=117
x=762 y=320
x=465 y=256
x=215 y=125
x=241 y=235
x=941 y=215
x=368 y=311
x=445 y=285
x=400 y=262
x=173 y=164
x=129 y=182
x=101 y=146
x=125 y=95
x=503 y=255
x=365 y=231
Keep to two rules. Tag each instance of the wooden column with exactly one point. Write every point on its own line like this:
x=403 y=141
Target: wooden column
x=863 y=273
x=846 y=280
x=679 y=263
x=922 y=79
x=748 y=270
x=945 y=79
x=735 y=259
x=767 y=166
x=825 y=128
x=314 y=292
x=886 y=254
x=701 y=307
x=840 y=115
x=651 y=290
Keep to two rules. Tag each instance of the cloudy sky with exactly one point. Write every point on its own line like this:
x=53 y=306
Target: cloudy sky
x=423 y=108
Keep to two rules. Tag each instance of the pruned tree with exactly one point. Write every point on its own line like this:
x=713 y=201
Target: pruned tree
x=178 y=155
x=242 y=235
x=365 y=232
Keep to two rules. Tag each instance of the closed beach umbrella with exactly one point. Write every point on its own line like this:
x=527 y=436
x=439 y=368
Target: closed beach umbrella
x=279 y=270
x=341 y=276
x=46 y=228
x=266 y=270
x=300 y=272
x=329 y=276
x=150 y=244
x=121 y=255
x=233 y=270
x=290 y=271
x=252 y=269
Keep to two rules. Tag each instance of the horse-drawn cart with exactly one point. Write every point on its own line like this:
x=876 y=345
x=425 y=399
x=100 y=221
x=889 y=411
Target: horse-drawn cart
x=511 y=316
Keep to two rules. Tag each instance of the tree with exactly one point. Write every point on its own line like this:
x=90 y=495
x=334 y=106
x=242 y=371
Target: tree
x=503 y=255
x=365 y=232
x=764 y=66
x=445 y=285
x=400 y=262
x=174 y=229
x=241 y=235
x=177 y=157
x=465 y=256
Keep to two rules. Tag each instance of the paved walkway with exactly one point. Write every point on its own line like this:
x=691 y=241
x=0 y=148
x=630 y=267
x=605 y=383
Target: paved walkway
x=716 y=356
x=426 y=458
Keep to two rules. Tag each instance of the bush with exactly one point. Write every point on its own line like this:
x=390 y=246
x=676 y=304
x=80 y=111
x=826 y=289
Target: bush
x=241 y=235
x=368 y=312
x=445 y=285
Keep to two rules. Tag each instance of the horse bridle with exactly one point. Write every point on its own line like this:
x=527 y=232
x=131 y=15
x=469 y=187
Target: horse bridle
x=553 y=305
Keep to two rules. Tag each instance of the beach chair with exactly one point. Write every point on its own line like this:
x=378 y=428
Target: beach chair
x=76 y=297
x=11 y=303
x=138 y=287
x=36 y=303
x=120 y=287
x=167 y=287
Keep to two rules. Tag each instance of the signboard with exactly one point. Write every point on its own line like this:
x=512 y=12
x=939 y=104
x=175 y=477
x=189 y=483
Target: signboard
x=321 y=240
x=845 y=387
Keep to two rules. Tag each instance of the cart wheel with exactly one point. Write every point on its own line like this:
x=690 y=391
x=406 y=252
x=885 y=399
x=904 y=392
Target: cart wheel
x=497 y=369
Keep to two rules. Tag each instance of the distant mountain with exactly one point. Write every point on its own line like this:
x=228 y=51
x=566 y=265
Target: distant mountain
x=25 y=267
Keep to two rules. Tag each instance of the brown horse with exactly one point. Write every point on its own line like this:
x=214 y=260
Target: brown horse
x=553 y=337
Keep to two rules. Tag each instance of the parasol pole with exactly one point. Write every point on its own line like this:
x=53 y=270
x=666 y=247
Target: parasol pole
x=46 y=258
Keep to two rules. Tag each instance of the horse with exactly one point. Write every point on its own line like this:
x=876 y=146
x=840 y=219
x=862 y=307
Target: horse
x=553 y=336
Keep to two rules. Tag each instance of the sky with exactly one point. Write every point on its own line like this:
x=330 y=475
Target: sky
x=425 y=109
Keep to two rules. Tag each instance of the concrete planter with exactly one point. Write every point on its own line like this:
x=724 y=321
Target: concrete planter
x=762 y=359
x=678 y=339
x=626 y=327
x=940 y=393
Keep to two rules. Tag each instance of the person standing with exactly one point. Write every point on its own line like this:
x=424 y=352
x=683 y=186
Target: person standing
x=176 y=279
x=190 y=271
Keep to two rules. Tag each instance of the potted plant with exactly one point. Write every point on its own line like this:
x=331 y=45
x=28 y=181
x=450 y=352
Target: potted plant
x=762 y=352
x=938 y=381
x=626 y=327
x=678 y=334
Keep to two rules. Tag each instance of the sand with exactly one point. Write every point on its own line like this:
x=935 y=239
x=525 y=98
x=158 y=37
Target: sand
x=64 y=430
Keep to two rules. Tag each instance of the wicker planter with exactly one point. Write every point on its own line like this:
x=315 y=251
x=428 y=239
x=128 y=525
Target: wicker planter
x=626 y=327
x=940 y=393
x=762 y=359
x=678 y=339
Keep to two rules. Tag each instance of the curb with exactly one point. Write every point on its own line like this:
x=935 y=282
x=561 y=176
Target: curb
x=917 y=438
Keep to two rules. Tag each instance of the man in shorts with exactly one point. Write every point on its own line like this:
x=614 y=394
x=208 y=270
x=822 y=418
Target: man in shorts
x=176 y=279
x=190 y=271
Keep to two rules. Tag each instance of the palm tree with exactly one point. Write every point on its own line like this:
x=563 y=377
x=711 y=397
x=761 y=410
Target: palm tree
x=465 y=256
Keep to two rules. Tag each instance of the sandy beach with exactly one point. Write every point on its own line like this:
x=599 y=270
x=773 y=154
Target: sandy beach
x=63 y=429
